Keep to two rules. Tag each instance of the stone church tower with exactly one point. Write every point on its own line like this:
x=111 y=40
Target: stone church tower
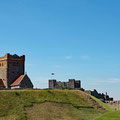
x=11 y=67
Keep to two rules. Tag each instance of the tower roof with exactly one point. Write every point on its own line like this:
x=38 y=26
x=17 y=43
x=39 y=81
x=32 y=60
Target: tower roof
x=17 y=81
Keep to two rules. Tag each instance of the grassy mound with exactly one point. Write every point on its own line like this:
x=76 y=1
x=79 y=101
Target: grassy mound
x=102 y=103
x=13 y=102
x=58 y=111
x=110 y=116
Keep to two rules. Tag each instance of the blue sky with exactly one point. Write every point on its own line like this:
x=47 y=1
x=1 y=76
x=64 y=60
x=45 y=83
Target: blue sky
x=73 y=38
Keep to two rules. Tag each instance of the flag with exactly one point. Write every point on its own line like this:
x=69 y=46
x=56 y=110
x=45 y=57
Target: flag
x=52 y=74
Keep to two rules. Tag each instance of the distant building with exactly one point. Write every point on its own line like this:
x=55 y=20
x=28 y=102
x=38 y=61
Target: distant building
x=71 y=84
x=12 y=67
x=103 y=97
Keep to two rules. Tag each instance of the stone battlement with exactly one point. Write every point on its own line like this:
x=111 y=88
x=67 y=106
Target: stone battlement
x=11 y=57
x=103 y=97
x=71 y=84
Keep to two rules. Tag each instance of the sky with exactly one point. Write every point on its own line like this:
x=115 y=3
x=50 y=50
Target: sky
x=77 y=39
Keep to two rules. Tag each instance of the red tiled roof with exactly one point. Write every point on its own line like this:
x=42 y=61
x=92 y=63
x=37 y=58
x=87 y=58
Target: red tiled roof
x=17 y=81
x=1 y=83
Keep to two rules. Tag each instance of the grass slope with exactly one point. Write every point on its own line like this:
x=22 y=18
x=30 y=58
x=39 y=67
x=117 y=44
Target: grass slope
x=103 y=104
x=58 y=111
x=110 y=116
x=13 y=102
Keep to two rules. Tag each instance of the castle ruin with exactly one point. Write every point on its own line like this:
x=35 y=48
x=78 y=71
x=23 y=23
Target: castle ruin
x=103 y=97
x=71 y=84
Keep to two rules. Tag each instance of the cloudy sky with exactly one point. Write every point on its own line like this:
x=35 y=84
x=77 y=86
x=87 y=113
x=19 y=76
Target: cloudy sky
x=73 y=38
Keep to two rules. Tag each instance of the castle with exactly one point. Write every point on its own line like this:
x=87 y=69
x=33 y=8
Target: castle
x=103 y=97
x=71 y=84
x=12 y=72
x=76 y=85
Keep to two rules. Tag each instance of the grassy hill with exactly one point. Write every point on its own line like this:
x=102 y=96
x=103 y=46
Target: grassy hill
x=59 y=111
x=52 y=104
x=115 y=115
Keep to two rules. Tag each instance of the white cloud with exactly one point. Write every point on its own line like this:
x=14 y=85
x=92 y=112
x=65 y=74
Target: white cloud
x=93 y=84
x=57 y=66
x=68 y=57
x=114 y=80
x=85 y=57
x=107 y=81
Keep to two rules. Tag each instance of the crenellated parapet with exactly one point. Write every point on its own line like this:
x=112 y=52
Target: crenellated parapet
x=71 y=84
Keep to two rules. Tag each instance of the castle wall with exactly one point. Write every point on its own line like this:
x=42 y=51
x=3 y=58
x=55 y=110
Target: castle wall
x=72 y=84
x=15 y=69
x=3 y=69
x=52 y=84
x=77 y=84
x=100 y=96
x=61 y=84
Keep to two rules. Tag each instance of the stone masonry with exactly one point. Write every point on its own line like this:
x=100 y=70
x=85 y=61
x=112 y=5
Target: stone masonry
x=12 y=72
x=71 y=84
x=103 y=97
x=11 y=67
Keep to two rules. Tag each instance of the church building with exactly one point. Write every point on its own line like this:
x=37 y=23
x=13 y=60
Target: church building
x=12 y=72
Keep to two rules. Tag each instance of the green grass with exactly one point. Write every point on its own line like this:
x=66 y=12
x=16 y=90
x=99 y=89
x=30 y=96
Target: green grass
x=58 y=111
x=103 y=104
x=110 y=116
x=14 y=102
